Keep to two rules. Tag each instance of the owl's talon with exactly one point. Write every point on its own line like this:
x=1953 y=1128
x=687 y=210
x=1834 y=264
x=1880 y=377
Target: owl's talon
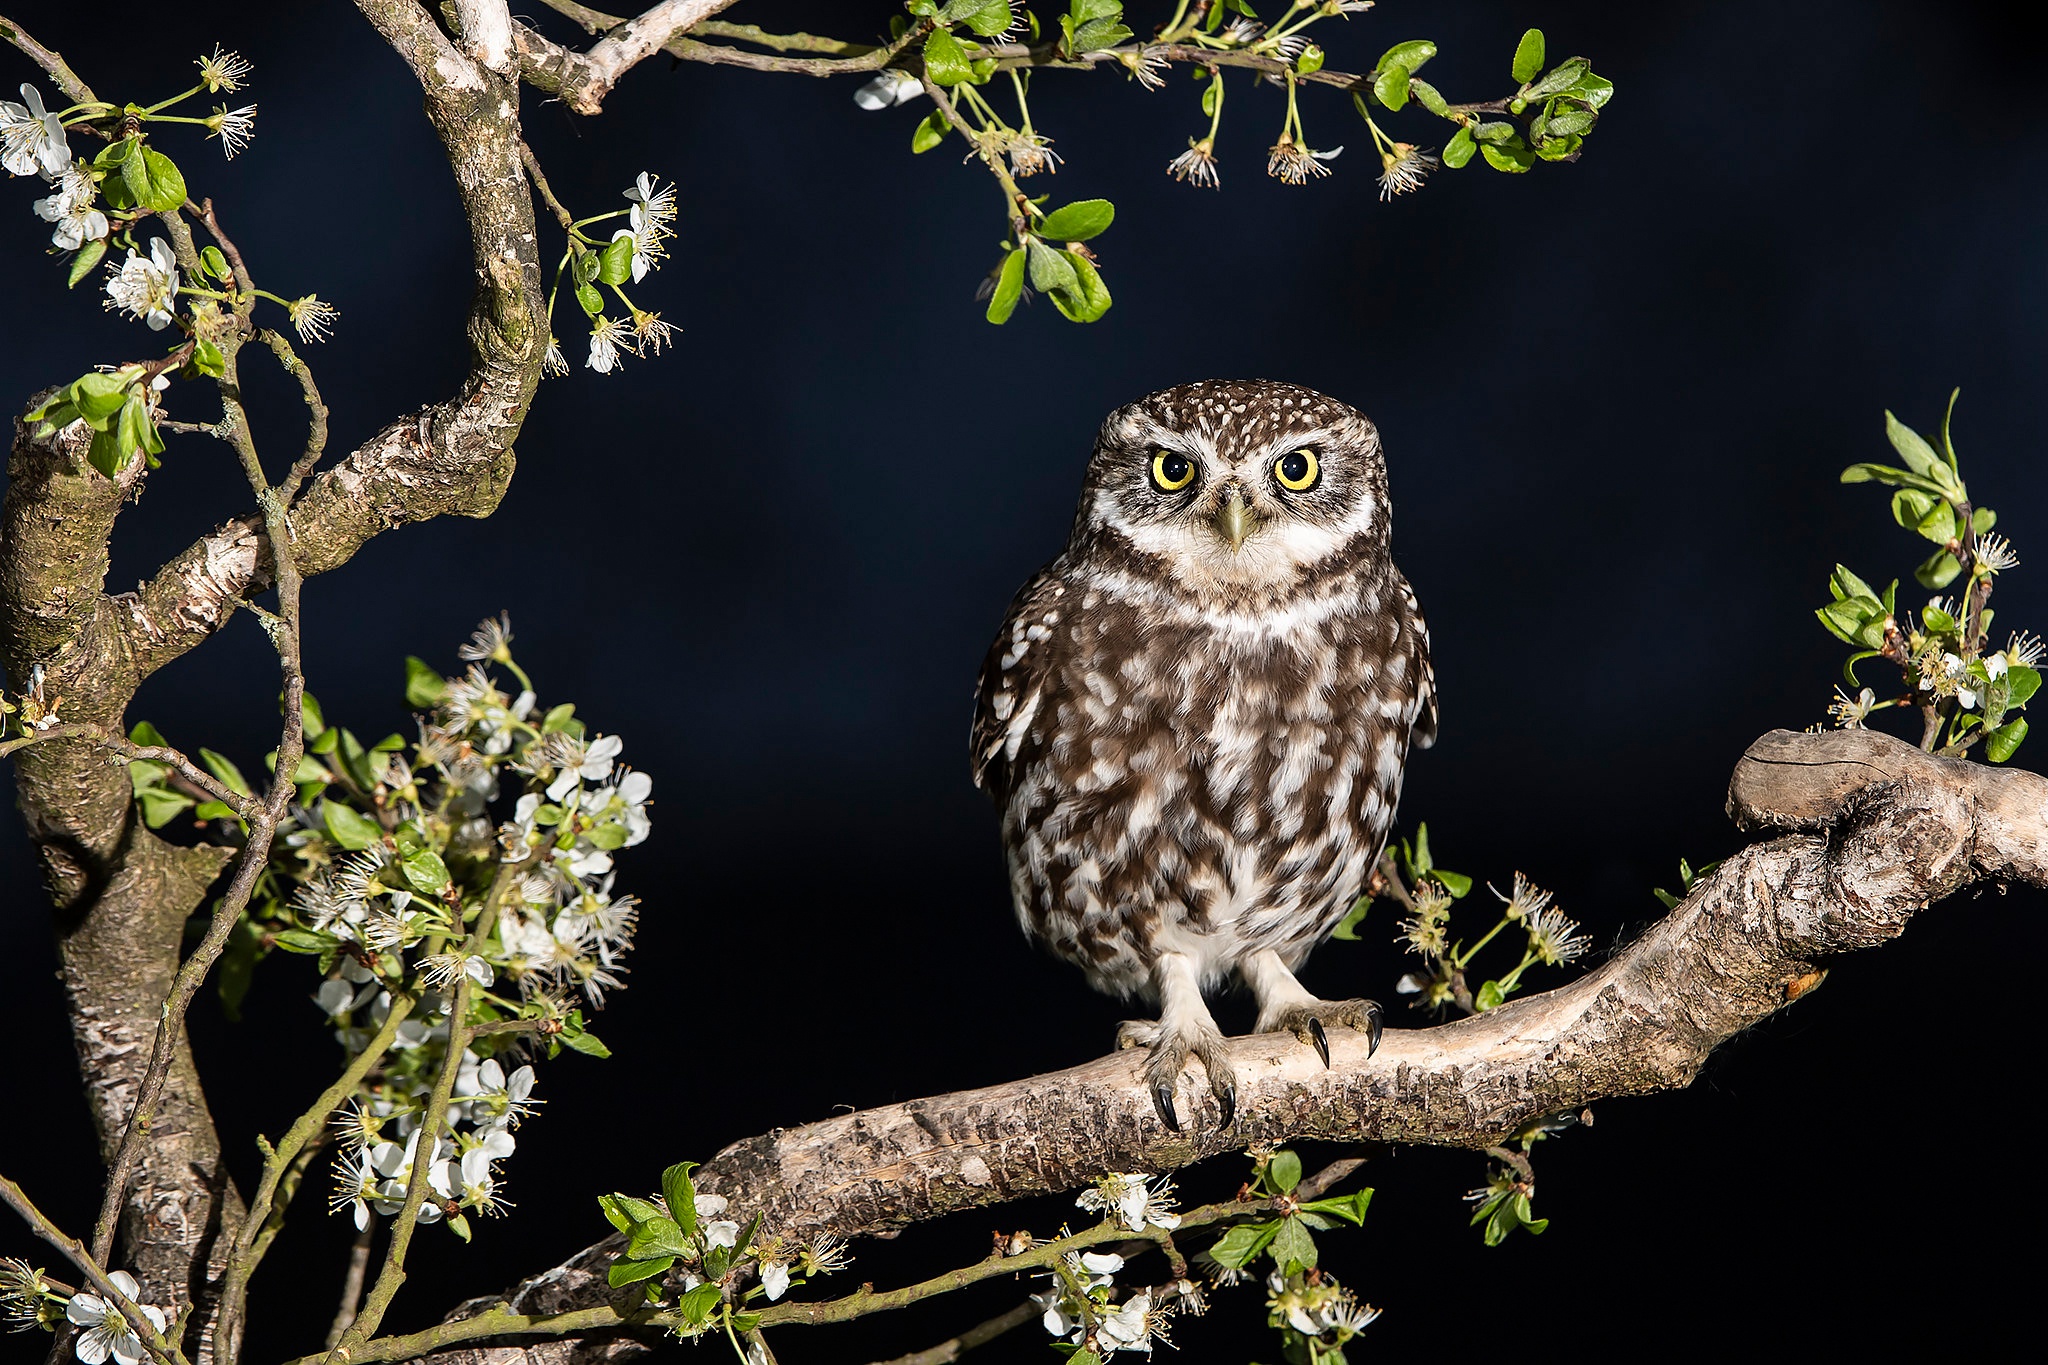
x=1319 y=1040
x=1307 y=1021
x=1226 y=1099
x=1162 y=1100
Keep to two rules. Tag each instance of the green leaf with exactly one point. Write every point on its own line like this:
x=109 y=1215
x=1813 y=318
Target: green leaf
x=945 y=60
x=1846 y=584
x=303 y=940
x=615 y=262
x=986 y=17
x=1293 y=1249
x=160 y=805
x=681 y=1193
x=1429 y=97
x=930 y=132
x=1457 y=883
x=212 y=262
x=1283 y=1172
x=1849 y=667
x=1938 y=570
x=2000 y=743
x=1490 y=996
x=1238 y=1247
x=1891 y=476
x=1089 y=299
x=1409 y=56
x=584 y=1042
x=636 y=1210
x=1561 y=78
x=2023 y=682
x=1347 y=928
x=425 y=870
x=608 y=1205
x=424 y=686
x=1594 y=90
x=1982 y=520
x=1918 y=455
x=1076 y=222
x=1938 y=620
x=207 y=359
x=1846 y=635
x=1459 y=149
x=625 y=1271
x=1910 y=506
x=82 y=264
x=347 y=828
x=590 y=301
x=657 y=1237
x=230 y=776
x=1350 y=1207
x=1670 y=901
x=1311 y=60
x=1009 y=288
x=1050 y=269
x=696 y=1305
x=1512 y=159
x=1528 y=57
x=1390 y=87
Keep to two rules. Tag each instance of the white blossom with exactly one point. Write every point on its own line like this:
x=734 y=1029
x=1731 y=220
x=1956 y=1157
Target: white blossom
x=608 y=337
x=234 y=127
x=1405 y=167
x=888 y=88
x=223 y=70
x=657 y=201
x=107 y=1333
x=146 y=287
x=774 y=1279
x=593 y=763
x=31 y=137
x=312 y=318
x=71 y=209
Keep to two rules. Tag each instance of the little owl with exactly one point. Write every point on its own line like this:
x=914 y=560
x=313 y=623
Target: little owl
x=1195 y=719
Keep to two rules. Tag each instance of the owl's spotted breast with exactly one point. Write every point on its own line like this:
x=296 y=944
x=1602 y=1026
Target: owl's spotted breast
x=1209 y=785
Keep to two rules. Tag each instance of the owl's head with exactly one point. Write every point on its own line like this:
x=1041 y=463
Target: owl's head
x=1236 y=488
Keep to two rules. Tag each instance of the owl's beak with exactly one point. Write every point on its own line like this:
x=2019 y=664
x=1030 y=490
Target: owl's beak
x=1234 y=521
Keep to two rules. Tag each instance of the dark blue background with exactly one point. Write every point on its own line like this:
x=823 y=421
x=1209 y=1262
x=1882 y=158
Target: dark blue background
x=1615 y=397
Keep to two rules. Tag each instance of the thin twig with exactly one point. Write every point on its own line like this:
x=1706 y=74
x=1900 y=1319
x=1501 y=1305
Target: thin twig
x=316 y=411
x=75 y=90
x=547 y=193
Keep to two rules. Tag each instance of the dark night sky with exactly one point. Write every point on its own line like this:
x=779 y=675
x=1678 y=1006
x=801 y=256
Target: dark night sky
x=1615 y=397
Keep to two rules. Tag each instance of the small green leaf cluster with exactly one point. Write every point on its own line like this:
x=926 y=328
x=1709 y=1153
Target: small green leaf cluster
x=1558 y=109
x=714 y=1257
x=1314 y=1314
x=1503 y=1207
x=1964 y=690
x=1050 y=253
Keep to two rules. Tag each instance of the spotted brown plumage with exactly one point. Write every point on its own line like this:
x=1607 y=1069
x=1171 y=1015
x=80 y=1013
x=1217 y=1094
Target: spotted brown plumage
x=1195 y=720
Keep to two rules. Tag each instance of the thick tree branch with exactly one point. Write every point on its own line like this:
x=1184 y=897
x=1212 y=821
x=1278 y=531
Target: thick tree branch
x=1885 y=831
x=584 y=79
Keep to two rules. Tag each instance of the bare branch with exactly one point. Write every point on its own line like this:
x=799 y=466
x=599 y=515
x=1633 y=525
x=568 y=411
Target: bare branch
x=487 y=33
x=1896 y=830
x=583 y=80
x=75 y=90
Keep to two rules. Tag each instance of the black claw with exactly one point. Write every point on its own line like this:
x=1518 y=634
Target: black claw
x=1372 y=1031
x=1319 y=1039
x=1162 y=1100
x=1227 y=1098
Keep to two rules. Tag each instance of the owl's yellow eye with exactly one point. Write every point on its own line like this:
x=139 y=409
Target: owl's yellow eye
x=1172 y=471
x=1297 y=470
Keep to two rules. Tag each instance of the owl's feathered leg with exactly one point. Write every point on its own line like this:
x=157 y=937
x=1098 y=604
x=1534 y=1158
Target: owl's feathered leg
x=1285 y=1004
x=1185 y=1027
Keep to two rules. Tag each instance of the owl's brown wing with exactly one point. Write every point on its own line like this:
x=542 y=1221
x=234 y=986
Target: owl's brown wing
x=1423 y=733
x=1014 y=677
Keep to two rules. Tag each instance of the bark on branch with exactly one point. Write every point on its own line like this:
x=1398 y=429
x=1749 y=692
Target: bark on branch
x=1882 y=830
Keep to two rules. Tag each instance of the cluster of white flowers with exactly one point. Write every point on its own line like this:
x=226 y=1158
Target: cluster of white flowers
x=146 y=287
x=651 y=216
x=1317 y=1306
x=1136 y=1200
x=375 y=1168
x=1079 y=1307
x=32 y=142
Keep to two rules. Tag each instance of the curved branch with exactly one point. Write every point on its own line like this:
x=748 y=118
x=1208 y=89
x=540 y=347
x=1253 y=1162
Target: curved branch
x=1883 y=831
